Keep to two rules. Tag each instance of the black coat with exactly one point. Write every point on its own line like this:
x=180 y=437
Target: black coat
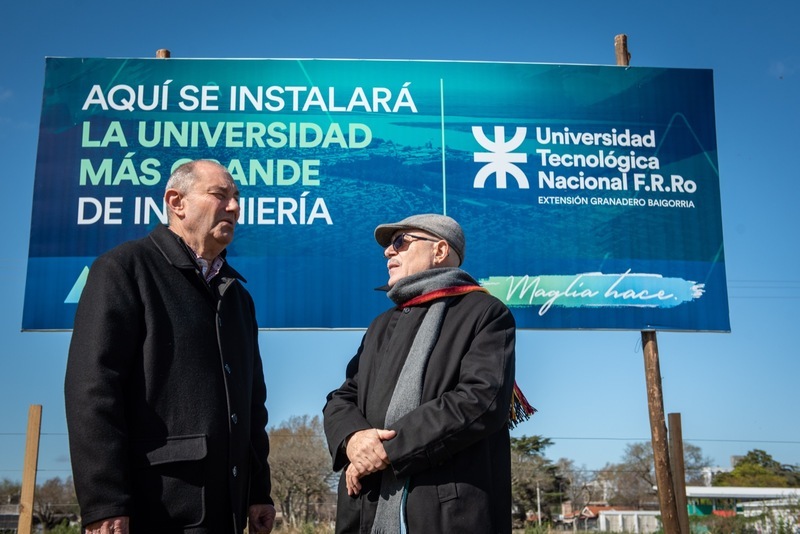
x=165 y=393
x=455 y=446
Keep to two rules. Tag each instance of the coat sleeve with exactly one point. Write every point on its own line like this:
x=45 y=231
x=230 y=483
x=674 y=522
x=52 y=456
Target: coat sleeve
x=475 y=408
x=341 y=414
x=106 y=332
x=260 y=476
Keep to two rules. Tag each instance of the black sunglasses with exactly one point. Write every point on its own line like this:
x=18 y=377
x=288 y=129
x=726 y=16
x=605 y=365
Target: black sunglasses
x=397 y=242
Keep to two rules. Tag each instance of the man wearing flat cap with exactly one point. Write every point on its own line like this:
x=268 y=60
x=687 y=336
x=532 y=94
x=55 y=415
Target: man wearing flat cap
x=420 y=424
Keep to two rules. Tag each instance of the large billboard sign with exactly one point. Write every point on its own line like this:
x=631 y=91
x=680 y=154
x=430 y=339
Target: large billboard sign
x=589 y=195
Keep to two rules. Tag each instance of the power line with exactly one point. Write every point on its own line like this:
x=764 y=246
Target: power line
x=764 y=281
x=569 y=438
x=762 y=287
x=765 y=297
x=41 y=434
x=594 y=438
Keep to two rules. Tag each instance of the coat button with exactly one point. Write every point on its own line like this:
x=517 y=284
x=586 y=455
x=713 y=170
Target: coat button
x=235 y=419
x=228 y=368
x=406 y=310
x=235 y=471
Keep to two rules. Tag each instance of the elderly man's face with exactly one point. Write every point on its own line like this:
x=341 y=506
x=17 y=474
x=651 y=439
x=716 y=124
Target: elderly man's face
x=414 y=254
x=212 y=207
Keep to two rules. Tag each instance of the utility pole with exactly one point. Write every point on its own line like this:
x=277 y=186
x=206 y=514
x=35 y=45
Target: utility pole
x=655 y=397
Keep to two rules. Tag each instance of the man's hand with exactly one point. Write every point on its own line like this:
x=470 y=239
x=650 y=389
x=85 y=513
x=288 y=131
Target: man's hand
x=262 y=518
x=367 y=455
x=352 y=480
x=112 y=525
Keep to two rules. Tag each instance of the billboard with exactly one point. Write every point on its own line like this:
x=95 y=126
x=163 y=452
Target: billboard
x=589 y=195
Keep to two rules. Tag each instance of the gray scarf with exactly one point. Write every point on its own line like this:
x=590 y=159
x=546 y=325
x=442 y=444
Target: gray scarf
x=433 y=285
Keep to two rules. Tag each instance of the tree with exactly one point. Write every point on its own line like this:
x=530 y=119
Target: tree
x=580 y=487
x=10 y=491
x=631 y=482
x=535 y=481
x=626 y=485
x=759 y=470
x=530 y=445
x=694 y=464
x=55 y=502
x=301 y=469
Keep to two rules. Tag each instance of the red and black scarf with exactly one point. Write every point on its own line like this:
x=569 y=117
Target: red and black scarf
x=520 y=409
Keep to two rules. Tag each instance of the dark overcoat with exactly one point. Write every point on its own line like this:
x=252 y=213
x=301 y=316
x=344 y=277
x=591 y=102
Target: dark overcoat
x=165 y=393
x=454 y=448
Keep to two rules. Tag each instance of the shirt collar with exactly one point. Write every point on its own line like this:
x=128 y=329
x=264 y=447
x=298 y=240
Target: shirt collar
x=208 y=269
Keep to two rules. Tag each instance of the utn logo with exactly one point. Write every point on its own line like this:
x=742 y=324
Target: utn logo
x=500 y=159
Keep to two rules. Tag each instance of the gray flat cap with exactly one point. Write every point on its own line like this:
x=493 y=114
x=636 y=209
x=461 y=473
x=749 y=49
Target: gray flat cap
x=439 y=225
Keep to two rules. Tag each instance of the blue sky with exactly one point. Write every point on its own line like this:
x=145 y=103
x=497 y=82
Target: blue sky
x=735 y=392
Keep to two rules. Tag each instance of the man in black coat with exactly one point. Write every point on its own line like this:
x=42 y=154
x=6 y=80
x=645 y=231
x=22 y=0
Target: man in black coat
x=165 y=393
x=420 y=424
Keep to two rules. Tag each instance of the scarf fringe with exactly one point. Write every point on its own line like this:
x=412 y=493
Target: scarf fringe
x=520 y=410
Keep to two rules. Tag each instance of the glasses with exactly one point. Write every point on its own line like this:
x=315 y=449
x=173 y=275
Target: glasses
x=397 y=242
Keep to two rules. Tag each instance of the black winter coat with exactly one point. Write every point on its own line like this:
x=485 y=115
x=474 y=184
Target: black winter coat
x=165 y=393
x=455 y=446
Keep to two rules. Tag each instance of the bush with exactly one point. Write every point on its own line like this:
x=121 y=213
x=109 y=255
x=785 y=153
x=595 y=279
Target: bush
x=307 y=528
x=65 y=528
x=537 y=529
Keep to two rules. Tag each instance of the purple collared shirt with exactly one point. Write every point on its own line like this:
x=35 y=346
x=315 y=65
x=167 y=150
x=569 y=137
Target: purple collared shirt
x=209 y=270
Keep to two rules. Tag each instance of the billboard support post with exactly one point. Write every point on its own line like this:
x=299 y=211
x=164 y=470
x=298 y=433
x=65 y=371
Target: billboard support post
x=25 y=523
x=655 y=398
x=678 y=469
x=658 y=434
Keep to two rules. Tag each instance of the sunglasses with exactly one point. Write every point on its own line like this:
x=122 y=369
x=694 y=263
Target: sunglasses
x=397 y=242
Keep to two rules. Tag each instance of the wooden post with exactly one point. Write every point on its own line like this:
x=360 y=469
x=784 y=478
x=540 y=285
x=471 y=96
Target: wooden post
x=678 y=469
x=621 y=49
x=655 y=398
x=658 y=432
x=25 y=524
x=162 y=53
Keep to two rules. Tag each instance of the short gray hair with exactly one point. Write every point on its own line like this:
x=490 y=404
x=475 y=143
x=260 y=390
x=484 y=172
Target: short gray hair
x=183 y=177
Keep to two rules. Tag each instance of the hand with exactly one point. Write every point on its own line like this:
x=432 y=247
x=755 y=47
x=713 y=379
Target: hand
x=112 y=525
x=262 y=518
x=352 y=481
x=365 y=450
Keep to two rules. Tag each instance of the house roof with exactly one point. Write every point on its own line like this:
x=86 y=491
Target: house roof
x=730 y=492
x=594 y=511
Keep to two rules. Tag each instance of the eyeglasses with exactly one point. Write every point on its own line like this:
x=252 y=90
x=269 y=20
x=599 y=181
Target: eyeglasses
x=397 y=242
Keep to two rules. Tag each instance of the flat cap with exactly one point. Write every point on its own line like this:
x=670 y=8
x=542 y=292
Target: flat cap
x=439 y=225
